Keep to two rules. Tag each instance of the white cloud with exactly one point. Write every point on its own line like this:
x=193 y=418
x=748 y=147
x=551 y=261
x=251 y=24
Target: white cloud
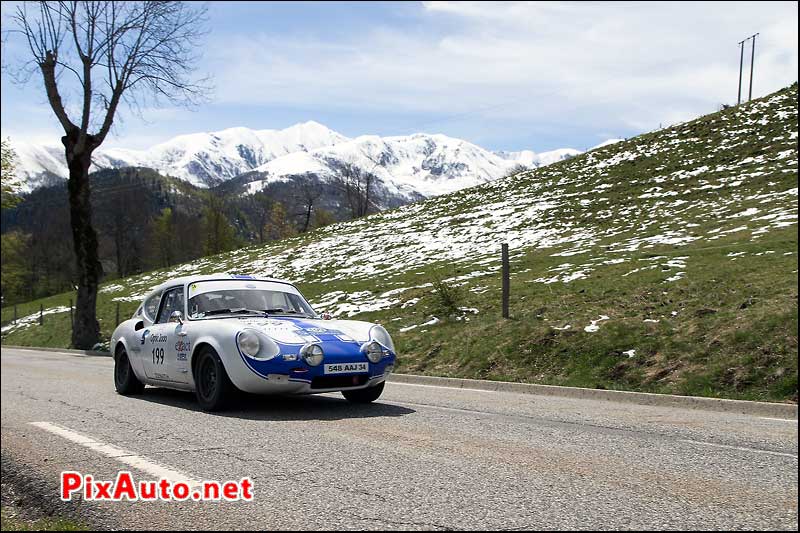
x=603 y=65
x=485 y=70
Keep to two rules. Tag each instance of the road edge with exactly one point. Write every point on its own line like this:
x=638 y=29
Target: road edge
x=22 y=489
x=745 y=407
x=89 y=353
x=765 y=409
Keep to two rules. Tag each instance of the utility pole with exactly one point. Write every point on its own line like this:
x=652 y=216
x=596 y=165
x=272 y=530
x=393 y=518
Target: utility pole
x=752 y=60
x=741 y=65
x=506 y=280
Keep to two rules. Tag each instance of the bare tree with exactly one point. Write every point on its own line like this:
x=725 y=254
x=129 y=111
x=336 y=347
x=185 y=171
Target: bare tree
x=358 y=187
x=309 y=193
x=103 y=54
x=260 y=206
x=516 y=169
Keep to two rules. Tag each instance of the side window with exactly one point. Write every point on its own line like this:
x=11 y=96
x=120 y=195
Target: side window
x=150 y=307
x=296 y=303
x=172 y=301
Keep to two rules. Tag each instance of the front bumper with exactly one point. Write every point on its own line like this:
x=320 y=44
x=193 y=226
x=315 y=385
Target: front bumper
x=286 y=376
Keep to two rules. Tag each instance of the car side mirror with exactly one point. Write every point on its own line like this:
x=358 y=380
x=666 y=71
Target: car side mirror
x=139 y=325
x=326 y=316
x=176 y=316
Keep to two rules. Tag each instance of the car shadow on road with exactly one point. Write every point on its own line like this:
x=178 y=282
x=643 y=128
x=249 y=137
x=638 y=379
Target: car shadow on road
x=278 y=408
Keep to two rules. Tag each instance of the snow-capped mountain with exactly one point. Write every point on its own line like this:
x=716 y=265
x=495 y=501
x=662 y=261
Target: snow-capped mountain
x=39 y=165
x=407 y=166
x=207 y=159
x=419 y=164
x=203 y=159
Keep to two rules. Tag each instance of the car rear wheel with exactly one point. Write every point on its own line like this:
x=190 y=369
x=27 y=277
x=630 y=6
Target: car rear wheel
x=125 y=381
x=368 y=395
x=213 y=388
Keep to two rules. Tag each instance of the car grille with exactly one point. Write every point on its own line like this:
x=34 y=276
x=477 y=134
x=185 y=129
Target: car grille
x=337 y=382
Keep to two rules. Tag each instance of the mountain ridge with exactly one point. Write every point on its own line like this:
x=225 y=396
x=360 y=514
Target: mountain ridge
x=410 y=166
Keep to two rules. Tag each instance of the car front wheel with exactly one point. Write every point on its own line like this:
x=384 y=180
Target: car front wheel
x=213 y=388
x=368 y=395
x=125 y=381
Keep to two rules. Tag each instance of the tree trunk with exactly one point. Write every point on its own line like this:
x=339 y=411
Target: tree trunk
x=86 y=329
x=308 y=217
x=118 y=251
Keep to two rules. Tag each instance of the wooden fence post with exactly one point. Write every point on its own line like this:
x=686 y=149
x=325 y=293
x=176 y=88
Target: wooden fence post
x=71 y=317
x=116 y=322
x=15 y=313
x=506 y=281
x=41 y=314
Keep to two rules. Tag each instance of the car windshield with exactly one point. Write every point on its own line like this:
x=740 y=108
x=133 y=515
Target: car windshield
x=220 y=298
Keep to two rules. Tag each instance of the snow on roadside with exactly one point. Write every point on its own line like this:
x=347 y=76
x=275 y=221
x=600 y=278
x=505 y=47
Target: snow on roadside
x=30 y=320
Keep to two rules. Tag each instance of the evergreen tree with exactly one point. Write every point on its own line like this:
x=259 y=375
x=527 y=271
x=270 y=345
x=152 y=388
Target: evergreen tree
x=219 y=234
x=16 y=272
x=10 y=184
x=162 y=231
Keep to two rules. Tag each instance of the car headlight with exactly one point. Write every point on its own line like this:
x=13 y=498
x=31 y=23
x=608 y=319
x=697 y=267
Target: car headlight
x=374 y=352
x=256 y=345
x=379 y=333
x=248 y=343
x=312 y=354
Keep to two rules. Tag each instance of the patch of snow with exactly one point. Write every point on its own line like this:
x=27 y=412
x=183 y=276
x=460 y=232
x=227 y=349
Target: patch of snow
x=593 y=327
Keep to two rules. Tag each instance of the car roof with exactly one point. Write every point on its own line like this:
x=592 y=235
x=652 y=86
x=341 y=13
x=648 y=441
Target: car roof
x=182 y=280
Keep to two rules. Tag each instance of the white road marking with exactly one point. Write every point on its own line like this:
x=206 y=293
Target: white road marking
x=779 y=419
x=754 y=450
x=136 y=461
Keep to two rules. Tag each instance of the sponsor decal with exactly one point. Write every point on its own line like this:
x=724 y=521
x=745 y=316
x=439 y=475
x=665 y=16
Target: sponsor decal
x=145 y=333
x=183 y=346
x=155 y=339
x=313 y=330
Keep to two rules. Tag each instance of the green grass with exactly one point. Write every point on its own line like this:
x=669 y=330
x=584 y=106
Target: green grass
x=712 y=347
x=11 y=522
x=700 y=191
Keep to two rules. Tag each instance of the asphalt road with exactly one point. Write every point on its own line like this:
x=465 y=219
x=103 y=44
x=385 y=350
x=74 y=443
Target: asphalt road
x=420 y=458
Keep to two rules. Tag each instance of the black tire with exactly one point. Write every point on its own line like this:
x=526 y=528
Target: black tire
x=213 y=388
x=368 y=395
x=125 y=381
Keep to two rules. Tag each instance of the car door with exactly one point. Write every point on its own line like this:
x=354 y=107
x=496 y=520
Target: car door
x=138 y=346
x=166 y=349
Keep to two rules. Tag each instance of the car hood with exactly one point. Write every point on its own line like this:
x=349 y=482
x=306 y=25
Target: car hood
x=290 y=330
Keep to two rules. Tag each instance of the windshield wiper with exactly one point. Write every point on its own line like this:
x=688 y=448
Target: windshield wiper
x=235 y=310
x=281 y=311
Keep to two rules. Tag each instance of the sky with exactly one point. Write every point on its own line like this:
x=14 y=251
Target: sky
x=505 y=76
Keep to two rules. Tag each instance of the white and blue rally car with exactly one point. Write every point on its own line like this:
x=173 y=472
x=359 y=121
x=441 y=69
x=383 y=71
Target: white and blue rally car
x=218 y=333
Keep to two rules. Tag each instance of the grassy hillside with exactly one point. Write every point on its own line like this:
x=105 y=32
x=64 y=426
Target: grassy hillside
x=665 y=263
